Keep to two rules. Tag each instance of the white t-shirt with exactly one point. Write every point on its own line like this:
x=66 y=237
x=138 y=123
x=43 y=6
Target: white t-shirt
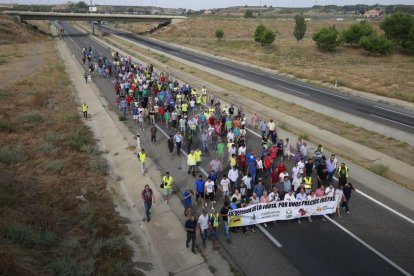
x=233 y=175
x=242 y=150
x=329 y=191
x=248 y=181
x=209 y=186
x=295 y=171
x=225 y=184
x=271 y=126
x=259 y=163
x=289 y=197
x=254 y=200
x=230 y=136
x=301 y=166
x=282 y=175
x=203 y=222
x=338 y=195
x=273 y=197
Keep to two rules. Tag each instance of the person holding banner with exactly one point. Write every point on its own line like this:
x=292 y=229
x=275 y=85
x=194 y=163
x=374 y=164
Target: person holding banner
x=300 y=197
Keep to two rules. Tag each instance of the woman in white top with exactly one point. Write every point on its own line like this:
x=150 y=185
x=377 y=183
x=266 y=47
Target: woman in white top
x=236 y=195
x=286 y=149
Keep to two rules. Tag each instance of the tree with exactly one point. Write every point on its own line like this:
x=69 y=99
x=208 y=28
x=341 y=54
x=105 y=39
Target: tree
x=219 y=34
x=326 y=38
x=248 y=14
x=268 y=37
x=258 y=34
x=264 y=35
x=409 y=44
x=353 y=34
x=300 y=27
x=397 y=27
x=377 y=44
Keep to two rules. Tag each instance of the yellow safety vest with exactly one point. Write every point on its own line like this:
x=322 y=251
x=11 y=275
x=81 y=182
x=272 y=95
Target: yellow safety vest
x=184 y=107
x=211 y=110
x=198 y=100
x=84 y=107
x=308 y=182
x=197 y=155
x=142 y=156
x=191 y=160
x=345 y=169
x=167 y=182
x=216 y=220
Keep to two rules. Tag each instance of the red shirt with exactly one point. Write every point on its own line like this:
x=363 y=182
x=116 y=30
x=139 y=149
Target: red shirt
x=129 y=99
x=273 y=152
x=211 y=120
x=161 y=110
x=267 y=162
x=281 y=168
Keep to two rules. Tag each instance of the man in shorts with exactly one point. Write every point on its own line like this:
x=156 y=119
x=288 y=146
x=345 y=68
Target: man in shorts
x=225 y=186
x=167 y=181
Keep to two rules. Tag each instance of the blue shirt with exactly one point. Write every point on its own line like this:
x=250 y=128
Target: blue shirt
x=187 y=201
x=258 y=189
x=233 y=205
x=200 y=185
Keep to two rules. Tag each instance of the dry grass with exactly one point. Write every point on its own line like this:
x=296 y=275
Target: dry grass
x=48 y=161
x=386 y=145
x=387 y=76
x=13 y=32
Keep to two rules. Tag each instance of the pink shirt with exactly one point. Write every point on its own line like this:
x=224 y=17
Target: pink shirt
x=319 y=192
x=264 y=199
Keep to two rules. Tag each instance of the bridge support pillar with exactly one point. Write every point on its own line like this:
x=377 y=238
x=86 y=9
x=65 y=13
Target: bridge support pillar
x=99 y=28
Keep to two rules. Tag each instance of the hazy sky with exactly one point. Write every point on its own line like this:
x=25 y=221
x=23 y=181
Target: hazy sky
x=207 y=4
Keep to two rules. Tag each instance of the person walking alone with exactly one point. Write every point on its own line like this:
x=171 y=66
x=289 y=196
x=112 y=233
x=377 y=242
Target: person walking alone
x=142 y=156
x=85 y=110
x=191 y=228
x=148 y=197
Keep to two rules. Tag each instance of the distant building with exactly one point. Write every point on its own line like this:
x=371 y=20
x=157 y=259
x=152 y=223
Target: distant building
x=373 y=13
x=207 y=12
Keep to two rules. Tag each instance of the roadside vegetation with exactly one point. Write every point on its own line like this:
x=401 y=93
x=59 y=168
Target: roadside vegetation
x=57 y=217
x=349 y=66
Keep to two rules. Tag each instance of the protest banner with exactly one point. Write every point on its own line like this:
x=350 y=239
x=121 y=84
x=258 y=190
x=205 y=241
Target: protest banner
x=282 y=210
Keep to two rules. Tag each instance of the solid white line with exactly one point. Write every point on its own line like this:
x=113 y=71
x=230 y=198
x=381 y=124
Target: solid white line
x=199 y=60
x=235 y=72
x=295 y=91
x=391 y=120
x=269 y=236
x=386 y=207
x=367 y=246
x=393 y=111
x=261 y=228
x=361 y=193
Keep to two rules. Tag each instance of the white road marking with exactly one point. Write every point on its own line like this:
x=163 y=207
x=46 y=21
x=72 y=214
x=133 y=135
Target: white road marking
x=386 y=207
x=361 y=193
x=269 y=236
x=391 y=120
x=383 y=108
x=261 y=228
x=199 y=60
x=368 y=246
x=235 y=72
x=293 y=90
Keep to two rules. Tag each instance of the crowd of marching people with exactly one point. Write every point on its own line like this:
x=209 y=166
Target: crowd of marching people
x=202 y=128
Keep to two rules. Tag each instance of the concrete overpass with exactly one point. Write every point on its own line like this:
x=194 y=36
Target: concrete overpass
x=98 y=17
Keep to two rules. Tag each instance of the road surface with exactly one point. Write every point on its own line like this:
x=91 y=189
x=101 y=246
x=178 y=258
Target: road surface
x=383 y=245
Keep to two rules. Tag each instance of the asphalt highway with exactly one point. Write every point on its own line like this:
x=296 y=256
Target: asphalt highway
x=383 y=245
x=379 y=112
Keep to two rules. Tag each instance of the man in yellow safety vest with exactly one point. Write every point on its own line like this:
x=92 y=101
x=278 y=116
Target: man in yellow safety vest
x=308 y=184
x=167 y=184
x=343 y=174
x=142 y=156
x=85 y=110
x=191 y=162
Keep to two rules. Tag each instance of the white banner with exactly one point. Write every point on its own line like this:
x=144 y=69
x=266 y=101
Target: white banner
x=282 y=210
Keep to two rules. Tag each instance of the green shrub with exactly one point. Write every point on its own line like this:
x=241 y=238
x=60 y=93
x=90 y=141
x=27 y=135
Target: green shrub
x=219 y=34
x=11 y=155
x=379 y=169
x=122 y=118
x=300 y=27
x=79 y=138
x=91 y=149
x=326 y=38
x=52 y=136
x=397 y=27
x=377 y=44
x=99 y=164
x=9 y=194
x=28 y=236
x=353 y=34
x=264 y=35
x=32 y=117
x=6 y=126
x=47 y=147
x=53 y=166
